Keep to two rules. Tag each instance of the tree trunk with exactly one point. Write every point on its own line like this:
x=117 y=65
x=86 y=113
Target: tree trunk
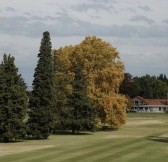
x=73 y=130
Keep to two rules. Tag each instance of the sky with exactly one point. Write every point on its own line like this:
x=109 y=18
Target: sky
x=137 y=28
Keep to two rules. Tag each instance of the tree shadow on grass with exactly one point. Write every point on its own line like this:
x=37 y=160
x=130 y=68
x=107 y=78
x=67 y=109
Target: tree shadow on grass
x=66 y=132
x=11 y=141
x=29 y=138
x=158 y=139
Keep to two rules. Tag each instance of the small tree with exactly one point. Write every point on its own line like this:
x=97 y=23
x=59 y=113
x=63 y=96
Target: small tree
x=80 y=112
x=13 y=101
x=41 y=121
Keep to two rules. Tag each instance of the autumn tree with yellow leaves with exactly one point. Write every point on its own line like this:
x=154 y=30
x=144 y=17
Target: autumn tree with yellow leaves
x=103 y=71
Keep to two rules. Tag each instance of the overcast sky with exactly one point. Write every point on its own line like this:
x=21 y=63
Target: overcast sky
x=137 y=28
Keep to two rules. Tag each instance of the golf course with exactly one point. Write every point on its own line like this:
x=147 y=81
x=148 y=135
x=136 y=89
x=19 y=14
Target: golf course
x=144 y=138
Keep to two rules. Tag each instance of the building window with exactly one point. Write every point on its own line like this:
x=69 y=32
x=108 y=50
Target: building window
x=146 y=108
x=141 y=102
x=136 y=103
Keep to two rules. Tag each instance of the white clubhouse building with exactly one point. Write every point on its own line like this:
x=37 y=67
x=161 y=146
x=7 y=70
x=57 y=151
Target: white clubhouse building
x=149 y=105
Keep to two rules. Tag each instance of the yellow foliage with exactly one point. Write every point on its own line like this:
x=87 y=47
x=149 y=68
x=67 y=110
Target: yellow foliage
x=104 y=73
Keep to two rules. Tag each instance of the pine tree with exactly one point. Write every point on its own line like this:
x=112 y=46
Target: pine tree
x=13 y=101
x=41 y=121
x=80 y=112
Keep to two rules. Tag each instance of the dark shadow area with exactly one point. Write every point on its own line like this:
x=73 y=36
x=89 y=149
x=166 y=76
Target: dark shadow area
x=57 y=132
x=158 y=139
x=66 y=132
x=108 y=128
x=11 y=141
x=35 y=139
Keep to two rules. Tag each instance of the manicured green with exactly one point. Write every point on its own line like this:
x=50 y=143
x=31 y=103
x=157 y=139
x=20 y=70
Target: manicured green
x=143 y=139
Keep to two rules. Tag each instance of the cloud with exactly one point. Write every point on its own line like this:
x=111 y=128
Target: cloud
x=51 y=3
x=39 y=18
x=95 y=17
x=13 y=25
x=132 y=10
x=27 y=13
x=93 y=6
x=82 y=28
x=103 y=1
x=31 y=26
x=165 y=21
x=145 y=8
x=140 y=18
x=10 y=9
x=64 y=25
x=151 y=54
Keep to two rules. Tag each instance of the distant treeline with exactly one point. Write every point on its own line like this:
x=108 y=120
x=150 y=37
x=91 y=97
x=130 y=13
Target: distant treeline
x=147 y=86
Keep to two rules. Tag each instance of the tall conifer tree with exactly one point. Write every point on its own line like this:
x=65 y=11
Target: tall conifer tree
x=41 y=121
x=13 y=101
x=81 y=113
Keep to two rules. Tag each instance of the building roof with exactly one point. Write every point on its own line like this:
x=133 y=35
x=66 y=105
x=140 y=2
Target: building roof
x=156 y=101
x=153 y=101
x=139 y=97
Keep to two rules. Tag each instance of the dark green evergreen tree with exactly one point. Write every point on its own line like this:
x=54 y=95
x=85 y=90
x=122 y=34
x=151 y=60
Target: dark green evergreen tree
x=149 y=87
x=80 y=112
x=41 y=121
x=126 y=86
x=13 y=101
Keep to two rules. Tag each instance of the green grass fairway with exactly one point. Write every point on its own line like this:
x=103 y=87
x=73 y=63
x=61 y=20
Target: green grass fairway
x=143 y=139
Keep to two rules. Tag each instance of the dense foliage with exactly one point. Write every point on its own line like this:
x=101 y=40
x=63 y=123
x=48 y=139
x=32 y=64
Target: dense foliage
x=41 y=116
x=146 y=86
x=81 y=114
x=13 y=101
x=103 y=71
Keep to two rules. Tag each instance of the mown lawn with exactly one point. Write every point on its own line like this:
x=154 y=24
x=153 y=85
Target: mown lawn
x=143 y=139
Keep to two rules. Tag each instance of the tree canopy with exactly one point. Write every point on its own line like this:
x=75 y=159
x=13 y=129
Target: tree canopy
x=145 y=86
x=103 y=70
x=13 y=101
x=81 y=114
x=41 y=121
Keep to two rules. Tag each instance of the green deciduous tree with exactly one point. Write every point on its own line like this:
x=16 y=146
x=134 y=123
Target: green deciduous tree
x=41 y=121
x=13 y=101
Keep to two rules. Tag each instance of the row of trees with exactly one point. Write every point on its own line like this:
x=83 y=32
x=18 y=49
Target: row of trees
x=74 y=88
x=147 y=86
